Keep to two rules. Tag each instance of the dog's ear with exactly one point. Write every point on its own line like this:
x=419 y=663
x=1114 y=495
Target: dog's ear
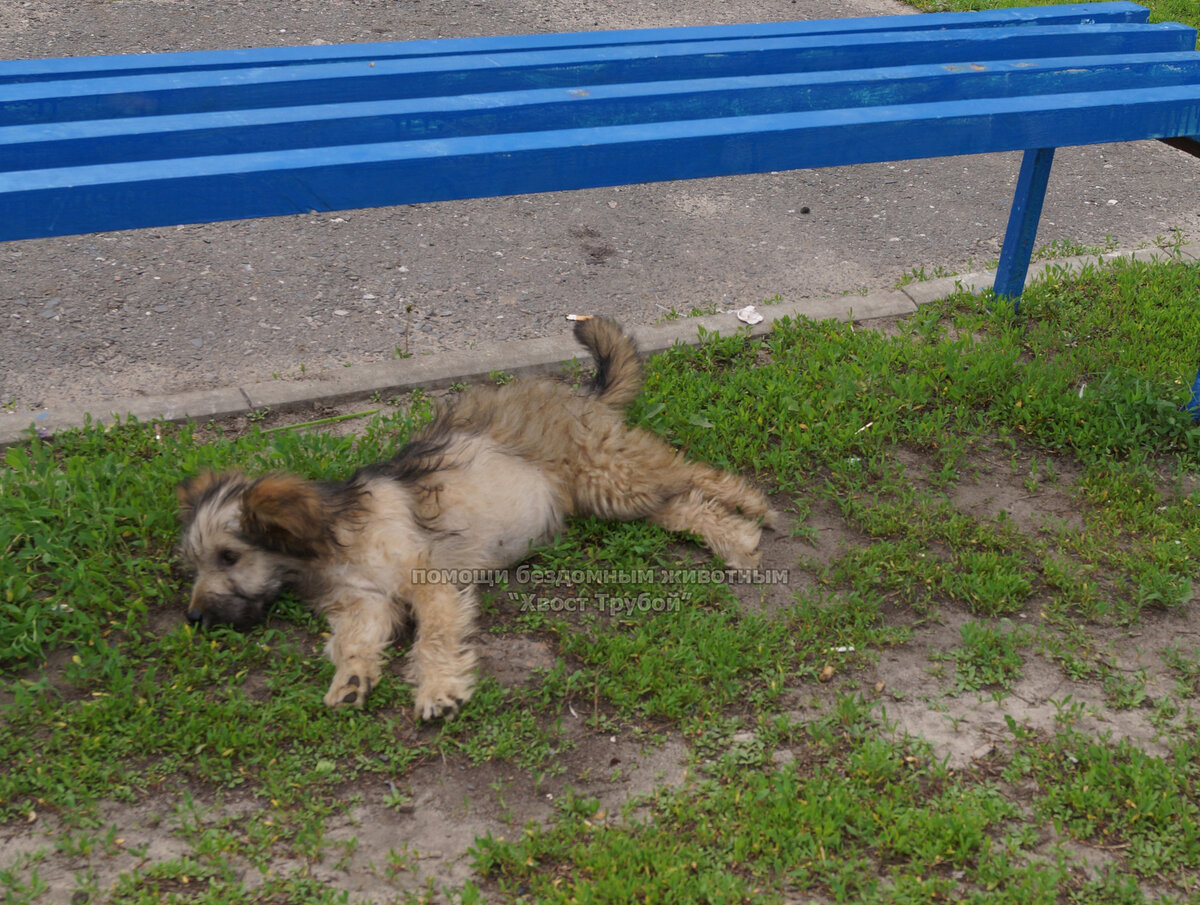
x=192 y=491
x=287 y=514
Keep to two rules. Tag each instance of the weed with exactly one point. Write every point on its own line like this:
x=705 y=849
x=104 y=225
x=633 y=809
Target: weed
x=918 y=275
x=989 y=657
x=1125 y=692
x=673 y=314
x=1067 y=248
x=401 y=861
x=1116 y=794
x=1186 y=663
x=396 y=798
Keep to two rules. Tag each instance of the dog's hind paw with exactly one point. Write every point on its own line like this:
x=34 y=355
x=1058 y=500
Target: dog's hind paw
x=348 y=691
x=741 y=560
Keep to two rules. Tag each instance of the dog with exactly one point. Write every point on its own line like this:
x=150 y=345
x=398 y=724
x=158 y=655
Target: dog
x=495 y=473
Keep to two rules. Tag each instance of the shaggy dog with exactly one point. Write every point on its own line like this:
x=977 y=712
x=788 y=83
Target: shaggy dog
x=495 y=473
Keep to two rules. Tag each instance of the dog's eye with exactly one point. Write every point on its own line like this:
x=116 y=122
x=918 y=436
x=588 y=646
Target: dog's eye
x=228 y=557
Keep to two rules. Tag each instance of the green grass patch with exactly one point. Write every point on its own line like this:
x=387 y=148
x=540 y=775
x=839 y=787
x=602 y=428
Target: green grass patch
x=795 y=787
x=870 y=822
x=1160 y=10
x=1117 y=795
x=990 y=656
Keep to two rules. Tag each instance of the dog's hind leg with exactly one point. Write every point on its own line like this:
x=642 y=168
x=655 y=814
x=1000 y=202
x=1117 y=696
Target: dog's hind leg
x=732 y=492
x=442 y=665
x=628 y=474
x=362 y=629
x=729 y=535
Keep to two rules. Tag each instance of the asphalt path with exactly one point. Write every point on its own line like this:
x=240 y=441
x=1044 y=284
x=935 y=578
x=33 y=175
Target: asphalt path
x=86 y=320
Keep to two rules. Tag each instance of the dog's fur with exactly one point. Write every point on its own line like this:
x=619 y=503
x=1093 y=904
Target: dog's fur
x=496 y=473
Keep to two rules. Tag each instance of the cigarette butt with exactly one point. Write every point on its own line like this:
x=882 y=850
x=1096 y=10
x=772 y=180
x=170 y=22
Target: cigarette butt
x=579 y=317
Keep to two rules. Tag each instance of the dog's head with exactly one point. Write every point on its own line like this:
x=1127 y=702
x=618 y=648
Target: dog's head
x=247 y=539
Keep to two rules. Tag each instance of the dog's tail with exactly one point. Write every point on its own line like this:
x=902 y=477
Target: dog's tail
x=618 y=371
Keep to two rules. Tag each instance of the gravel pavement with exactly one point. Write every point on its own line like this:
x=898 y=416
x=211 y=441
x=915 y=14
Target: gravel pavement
x=87 y=320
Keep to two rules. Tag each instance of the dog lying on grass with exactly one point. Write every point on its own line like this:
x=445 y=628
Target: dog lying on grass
x=496 y=473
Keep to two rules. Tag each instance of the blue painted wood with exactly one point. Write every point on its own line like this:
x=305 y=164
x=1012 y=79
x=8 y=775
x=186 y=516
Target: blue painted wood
x=161 y=63
x=196 y=91
x=120 y=142
x=139 y=138
x=1022 y=223
x=1193 y=403
x=197 y=189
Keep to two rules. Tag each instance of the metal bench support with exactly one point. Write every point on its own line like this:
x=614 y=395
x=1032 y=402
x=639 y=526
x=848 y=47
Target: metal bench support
x=1023 y=223
x=1193 y=404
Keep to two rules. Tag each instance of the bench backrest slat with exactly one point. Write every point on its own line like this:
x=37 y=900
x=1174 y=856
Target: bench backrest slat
x=261 y=184
x=154 y=95
x=183 y=61
x=87 y=143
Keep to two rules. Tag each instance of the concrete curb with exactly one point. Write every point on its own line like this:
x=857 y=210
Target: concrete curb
x=927 y=291
x=523 y=358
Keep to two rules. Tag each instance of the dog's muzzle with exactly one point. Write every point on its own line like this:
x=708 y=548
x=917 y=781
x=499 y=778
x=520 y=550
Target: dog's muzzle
x=238 y=613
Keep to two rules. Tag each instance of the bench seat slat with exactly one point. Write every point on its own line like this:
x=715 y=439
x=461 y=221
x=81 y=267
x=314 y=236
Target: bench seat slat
x=87 y=199
x=181 y=93
x=226 y=132
x=16 y=71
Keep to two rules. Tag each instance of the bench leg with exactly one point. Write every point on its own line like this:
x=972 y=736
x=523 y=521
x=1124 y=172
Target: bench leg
x=1023 y=223
x=1193 y=404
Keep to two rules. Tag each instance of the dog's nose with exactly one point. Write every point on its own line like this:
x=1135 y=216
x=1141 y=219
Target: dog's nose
x=195 y=618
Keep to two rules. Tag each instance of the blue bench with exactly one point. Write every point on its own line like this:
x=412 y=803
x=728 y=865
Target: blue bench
x=116 y=142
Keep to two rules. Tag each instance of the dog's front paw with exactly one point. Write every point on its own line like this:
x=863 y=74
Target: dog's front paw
x=437 y=700
x=348 y=691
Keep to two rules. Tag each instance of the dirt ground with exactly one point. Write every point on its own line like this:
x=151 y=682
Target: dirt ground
x=92 y=318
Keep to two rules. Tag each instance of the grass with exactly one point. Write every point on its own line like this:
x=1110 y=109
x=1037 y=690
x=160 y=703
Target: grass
x=990 y=656
x=1184 y=11
x=1030 y=482
x=869 y=822
x=798 y=782
x=144 y=763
